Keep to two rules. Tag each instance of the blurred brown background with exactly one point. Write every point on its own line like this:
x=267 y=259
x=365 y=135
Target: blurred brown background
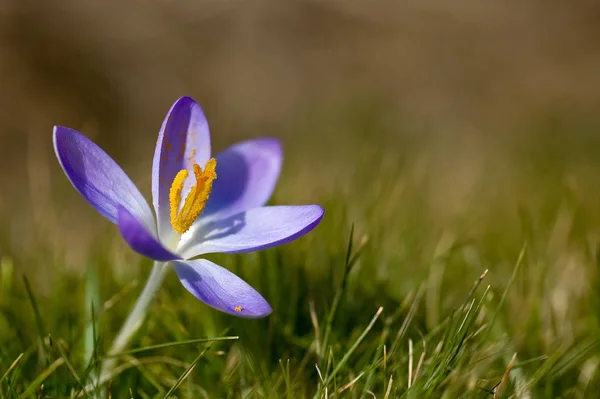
x=333 y=79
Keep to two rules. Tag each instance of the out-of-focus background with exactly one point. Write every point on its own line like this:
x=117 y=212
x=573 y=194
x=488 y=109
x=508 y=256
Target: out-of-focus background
x=335 y=80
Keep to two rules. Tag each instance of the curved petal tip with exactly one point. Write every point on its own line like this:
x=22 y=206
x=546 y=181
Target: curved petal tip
x=221 y=289
x=97 y=176
x=254 y=230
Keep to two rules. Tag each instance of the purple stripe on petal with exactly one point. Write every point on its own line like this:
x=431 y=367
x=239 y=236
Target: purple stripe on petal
x=140 y=239
x=183 y=140
x=221 y=289
x=98 y=177
x=252 y=230
x=246 y=176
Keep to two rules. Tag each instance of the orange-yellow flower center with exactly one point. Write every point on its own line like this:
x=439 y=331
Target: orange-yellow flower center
x=182 y=219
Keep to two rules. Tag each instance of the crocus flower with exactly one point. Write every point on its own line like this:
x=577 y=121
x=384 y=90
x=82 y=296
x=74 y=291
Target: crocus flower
x=202 y=204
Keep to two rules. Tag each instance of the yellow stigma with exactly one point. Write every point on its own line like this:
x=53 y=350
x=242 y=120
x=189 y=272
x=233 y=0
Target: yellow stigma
x=238 y=308
x=194 y=204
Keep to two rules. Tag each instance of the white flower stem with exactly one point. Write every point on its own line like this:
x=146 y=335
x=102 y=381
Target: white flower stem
x=135 y=319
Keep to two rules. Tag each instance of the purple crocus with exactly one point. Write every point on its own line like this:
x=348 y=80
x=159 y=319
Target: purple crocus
x=202 y=204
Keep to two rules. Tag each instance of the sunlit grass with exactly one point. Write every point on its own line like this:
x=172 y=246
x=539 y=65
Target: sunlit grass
x=418 y=283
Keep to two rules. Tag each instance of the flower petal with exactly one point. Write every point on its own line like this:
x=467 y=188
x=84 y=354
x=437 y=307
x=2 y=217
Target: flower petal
x=98 y=177
x=140 y=239
x=221 y=289
x=252 y=230
x=183 y=140
x=246 y=176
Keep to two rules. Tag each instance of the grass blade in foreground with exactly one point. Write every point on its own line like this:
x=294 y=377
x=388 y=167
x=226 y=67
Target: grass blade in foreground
x=187 y=372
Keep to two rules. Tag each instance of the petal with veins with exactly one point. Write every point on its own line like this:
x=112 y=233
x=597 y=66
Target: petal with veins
x=98 y=177
x=183 y=140
x=247 y=174
x=252 y=230
x=221 y=289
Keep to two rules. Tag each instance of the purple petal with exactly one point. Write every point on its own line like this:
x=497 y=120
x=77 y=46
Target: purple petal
x=140 y=239
x=252 y=230
x=246 y=176
x=98 y=177
x=221 y=289
x=183 y=140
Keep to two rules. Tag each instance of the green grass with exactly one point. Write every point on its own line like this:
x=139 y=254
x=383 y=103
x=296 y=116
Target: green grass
x=405 y=290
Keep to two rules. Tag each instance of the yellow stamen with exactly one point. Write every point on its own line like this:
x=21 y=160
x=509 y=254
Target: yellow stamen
x=194 y=204
x=238 y=308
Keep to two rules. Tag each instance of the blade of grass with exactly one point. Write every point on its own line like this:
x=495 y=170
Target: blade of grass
x=70 y=367
x=512 y=279
x=12 y=366
x=38 y=317
x=407 y=320
x=187 y=372
x=338 y=295
x=43 y=375
x=350 y=261
x=347 y=355
x=349 y=384
x=171 y=344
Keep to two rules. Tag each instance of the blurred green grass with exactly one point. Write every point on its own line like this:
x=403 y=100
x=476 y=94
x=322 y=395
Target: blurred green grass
x=431 y=212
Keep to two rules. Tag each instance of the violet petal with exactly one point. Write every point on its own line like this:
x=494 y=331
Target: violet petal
x=252 y=230
x=98 y=178
x=183 y=140
x=221 y=289
x=140 y=239
x=247 y=173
